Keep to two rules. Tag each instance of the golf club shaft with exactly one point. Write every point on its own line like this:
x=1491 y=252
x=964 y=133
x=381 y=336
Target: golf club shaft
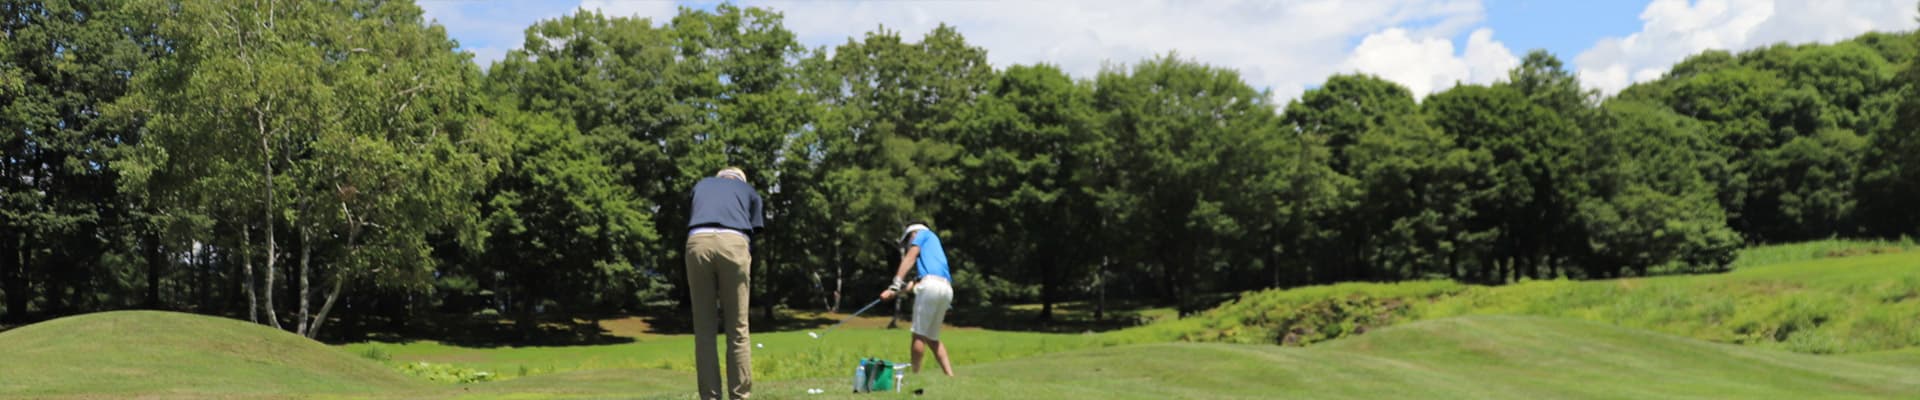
x=851 y=317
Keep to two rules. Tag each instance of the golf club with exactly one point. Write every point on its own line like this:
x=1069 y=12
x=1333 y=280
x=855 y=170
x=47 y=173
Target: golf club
x=843 y=321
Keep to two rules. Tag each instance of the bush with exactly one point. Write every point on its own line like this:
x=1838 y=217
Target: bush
x=985 y=290
x=1303 y=316
x=377 y=354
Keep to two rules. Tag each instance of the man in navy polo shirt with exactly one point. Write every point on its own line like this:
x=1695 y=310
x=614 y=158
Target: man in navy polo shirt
x=726 y=211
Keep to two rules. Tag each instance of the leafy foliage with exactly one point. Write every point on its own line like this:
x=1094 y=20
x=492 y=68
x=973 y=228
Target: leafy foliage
x=219 y=155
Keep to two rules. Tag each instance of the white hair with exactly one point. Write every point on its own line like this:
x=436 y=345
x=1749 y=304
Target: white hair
x=734 y=173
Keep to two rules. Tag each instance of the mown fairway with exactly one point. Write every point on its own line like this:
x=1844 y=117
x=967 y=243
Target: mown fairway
x=1759 y=332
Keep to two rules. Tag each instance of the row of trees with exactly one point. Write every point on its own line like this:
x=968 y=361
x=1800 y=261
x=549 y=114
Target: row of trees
x=284 y=161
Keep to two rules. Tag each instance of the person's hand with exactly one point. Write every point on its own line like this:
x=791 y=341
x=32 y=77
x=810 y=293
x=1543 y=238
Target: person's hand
x=887 y=295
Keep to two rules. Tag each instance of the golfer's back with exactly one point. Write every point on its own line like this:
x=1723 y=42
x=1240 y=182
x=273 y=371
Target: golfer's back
x=726 y=203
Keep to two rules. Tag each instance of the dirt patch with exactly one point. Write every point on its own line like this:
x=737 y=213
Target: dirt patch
x=631 y=326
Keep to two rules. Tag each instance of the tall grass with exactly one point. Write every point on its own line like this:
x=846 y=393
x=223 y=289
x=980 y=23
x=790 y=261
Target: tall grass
x=1830 y=248
x=1835 y=296
x=1297 y=316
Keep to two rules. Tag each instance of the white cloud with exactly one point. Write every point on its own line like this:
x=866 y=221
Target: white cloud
x=1674 y=29
x=1284 y=45
x=490 y=29
x=1426 y=65
x=659 y=10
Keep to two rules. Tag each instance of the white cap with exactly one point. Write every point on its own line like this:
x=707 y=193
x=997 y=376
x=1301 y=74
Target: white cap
x=910 y=229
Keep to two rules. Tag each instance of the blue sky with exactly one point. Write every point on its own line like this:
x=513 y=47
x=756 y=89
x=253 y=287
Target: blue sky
x=1561 y=26
x=1283 y=45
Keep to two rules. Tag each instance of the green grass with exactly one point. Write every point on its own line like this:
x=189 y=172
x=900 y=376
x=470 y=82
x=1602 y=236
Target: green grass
x=1296 y=316
x=1489 y=357
x=1830 y=305
x=1479 y=357
x=163 y=354
x=1821 y=305
x=1760 y=331
x=1830 y=248
x=784 y=355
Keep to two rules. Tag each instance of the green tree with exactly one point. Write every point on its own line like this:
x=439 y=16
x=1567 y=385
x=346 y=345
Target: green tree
x=1341 y=113
x=405 y=161
x=888 y=112
x=735 y=61
x=1200 y=172
x=615 y=81
x=61 y=64
x=1415 y=200
x=1891 y=170
x=1652 y=205
x=560 y=228
x=351 y=119
x=1529 y=198
x=1026 y=159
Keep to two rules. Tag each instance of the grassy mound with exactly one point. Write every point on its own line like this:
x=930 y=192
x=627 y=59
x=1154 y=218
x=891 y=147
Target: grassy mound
x=1822 y=306
x=164 y=354
x=1297 y=316
x=1479 y=357
x=1828 y=302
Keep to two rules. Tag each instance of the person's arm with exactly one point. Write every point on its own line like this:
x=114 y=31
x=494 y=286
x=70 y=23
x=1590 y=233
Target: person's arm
x=906 y=264
x=759 y=213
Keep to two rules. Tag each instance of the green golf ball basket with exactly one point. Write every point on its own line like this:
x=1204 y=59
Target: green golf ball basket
x=876 y=375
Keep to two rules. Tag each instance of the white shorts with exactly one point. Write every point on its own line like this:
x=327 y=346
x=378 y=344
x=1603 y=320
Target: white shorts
x=931 y=299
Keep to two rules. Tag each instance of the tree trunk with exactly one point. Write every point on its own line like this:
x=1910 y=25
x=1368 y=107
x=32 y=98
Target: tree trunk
x=306 y=255
x=1047 y=288
x=12 y=276
x=895 y=322
x=1100 y=284
x=266 y=166
x=839 y=278
x=326 y=307
x=527 y=322
x=246 y=264
x=155 y=260
x=54 y=301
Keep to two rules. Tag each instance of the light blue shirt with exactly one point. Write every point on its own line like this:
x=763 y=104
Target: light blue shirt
x=933 y=259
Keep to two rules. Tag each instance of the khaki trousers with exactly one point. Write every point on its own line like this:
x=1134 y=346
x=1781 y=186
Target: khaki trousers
x=717 y=269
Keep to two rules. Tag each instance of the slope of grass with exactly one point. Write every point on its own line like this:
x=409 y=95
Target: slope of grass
x=164 y=354
x=1477 y=357
x=777 y=355
x=1629 y=338
x=1296 y=316
x=1822 y=305
x=1830 y=248
x=1830 y=305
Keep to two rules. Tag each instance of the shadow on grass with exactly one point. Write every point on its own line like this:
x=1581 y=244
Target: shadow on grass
x=581 y=330
x=681 y=323
x=1072 y=316
x=473 y=331
x=587 y=330
x=1068 y=317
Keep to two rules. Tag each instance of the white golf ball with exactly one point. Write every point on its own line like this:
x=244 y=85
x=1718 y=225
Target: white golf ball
x=760 y=345
x=813 y=335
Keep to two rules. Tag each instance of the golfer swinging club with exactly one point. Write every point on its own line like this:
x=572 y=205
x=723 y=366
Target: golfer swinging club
x=932 y=291
x=725 y=211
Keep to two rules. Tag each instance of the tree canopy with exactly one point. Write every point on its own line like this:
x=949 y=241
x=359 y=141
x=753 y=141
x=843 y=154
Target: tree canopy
x=320 y=164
